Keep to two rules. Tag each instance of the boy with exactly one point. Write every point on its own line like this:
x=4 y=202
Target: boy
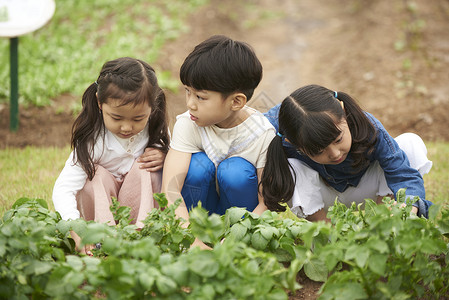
x=219 y=145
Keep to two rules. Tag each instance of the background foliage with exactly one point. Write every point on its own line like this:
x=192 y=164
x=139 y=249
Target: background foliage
x=65 y=55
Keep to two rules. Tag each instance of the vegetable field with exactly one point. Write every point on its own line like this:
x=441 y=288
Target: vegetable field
x=392 y=55
x=381 y=252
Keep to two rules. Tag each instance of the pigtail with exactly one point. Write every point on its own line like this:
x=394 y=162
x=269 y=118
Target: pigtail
x=85 y=131
x=277 y=181
x=157 y=124
x=362 y=130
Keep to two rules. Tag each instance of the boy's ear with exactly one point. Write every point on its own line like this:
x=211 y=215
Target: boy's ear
x=238 y=101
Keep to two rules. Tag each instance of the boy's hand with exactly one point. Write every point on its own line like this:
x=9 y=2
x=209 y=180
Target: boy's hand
x=152 y=159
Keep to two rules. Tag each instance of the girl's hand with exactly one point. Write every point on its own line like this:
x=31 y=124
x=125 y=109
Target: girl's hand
x=152 y=159
x=86 y=249
x=414 y=208
x=198 y=243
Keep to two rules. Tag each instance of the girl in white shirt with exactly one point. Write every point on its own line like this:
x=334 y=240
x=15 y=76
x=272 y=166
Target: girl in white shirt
x=119 y=143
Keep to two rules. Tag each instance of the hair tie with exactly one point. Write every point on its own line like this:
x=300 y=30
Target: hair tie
x=280 y=135
x=335 y=94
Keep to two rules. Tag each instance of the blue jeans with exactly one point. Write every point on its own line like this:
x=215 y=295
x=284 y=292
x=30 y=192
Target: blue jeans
x=237 y=184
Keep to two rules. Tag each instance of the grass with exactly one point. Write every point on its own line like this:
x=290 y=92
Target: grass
x=437 y=181
x=31 y=172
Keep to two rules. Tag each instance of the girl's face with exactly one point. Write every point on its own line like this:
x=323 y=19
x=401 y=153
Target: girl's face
x=125 y=121
x=338 y=150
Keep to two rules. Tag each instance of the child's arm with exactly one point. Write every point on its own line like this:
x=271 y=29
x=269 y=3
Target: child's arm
x=320 y=215
x=152 y=159
x=175 y=171
x=261 y=207
x=69 y=182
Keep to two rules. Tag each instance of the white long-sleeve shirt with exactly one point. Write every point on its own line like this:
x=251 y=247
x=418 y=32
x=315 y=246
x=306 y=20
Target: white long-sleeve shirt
x=108 y=153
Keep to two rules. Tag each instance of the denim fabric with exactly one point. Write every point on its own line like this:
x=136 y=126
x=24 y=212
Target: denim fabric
x=391 y=158
x=237 y=184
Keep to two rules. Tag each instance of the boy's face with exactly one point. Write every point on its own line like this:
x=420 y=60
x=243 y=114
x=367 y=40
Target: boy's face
x=209 y=108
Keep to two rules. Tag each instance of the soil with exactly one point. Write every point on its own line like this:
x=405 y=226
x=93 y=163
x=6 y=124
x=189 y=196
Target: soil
x=392 y=56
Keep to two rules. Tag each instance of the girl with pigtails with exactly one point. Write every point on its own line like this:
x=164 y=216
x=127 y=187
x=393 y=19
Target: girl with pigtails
x=119 y=141
x=328 y=147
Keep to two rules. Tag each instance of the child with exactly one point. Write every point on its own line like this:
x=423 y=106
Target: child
x=119 y=143
x=218 y=148
x=336 y=149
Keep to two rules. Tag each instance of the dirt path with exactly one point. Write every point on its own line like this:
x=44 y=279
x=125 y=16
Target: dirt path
x=392 y=56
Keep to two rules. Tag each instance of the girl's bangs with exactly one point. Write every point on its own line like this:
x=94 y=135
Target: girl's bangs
x=141 y=95
x=318 y=132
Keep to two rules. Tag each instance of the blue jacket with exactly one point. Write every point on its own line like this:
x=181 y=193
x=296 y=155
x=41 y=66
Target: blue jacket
x=391 y=158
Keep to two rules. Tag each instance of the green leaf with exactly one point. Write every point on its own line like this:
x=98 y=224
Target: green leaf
x=146 y=280
x=38 y=267
x=400 y=196
x=75 y=262
x=362 y=257
x=205 y=264
x=433 y=211
x=75 y=279
x=282 y=255
x=238 y=231
x=279 y=294
x=63 y=226
x=165 y=285
x=161 y=199
x=258 y=241
x=42 y=203
x=295 y=230
x=358 y=253
x=295 y=266
x=22 y=279
x=376 y=243
x=432 y=246
x=113 y=266
x=316 y=270
x=267 y=232
x=235 y=214
x=21 y=201
x=178 y=271
x=344 y=291
x=2 y=246
x=377 y=263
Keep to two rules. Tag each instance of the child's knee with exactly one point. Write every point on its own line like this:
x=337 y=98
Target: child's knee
x=236 y=173
x=201 y=169
x=416 y=151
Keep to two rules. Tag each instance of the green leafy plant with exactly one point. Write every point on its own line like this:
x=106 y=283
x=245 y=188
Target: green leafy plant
x=375 y=252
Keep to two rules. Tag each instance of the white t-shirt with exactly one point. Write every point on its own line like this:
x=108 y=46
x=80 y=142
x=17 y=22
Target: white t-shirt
x=115 y=156
x=249 y=140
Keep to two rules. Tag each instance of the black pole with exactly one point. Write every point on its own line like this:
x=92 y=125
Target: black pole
x=14 y=77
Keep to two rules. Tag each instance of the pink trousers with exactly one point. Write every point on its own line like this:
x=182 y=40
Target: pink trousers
x=135 y=190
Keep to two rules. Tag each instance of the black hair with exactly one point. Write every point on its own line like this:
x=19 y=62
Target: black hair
x=222 y=65
x=309 y=119
x=131 y=81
